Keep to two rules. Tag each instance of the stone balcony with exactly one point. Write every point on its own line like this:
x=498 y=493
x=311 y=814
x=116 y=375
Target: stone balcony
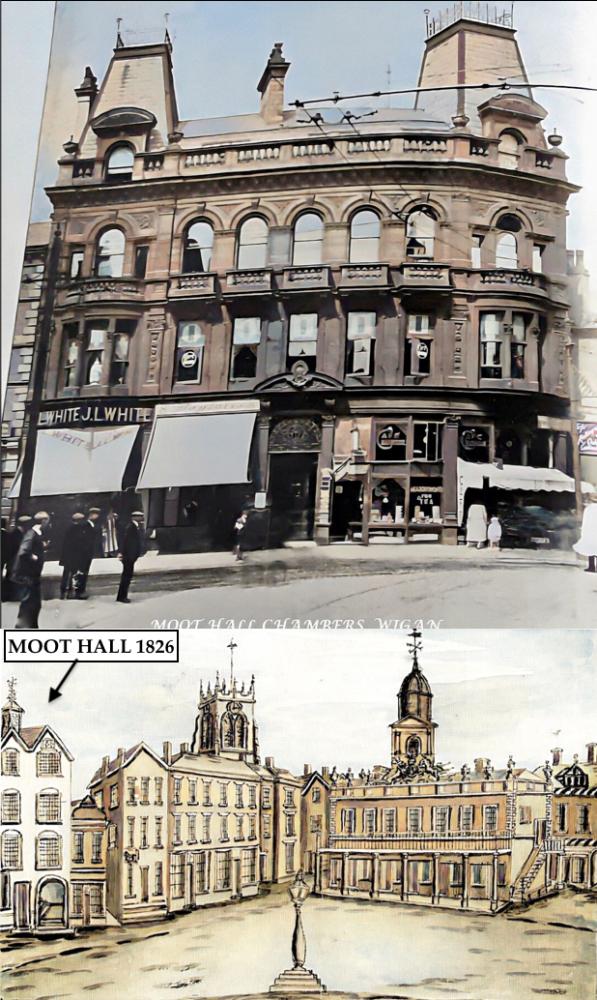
x=83 y=291
x=311 y=277
x=192 y=286
x=478 y=840
x=503 y=279
x=423 y=274
x=361 y=277
x=248 y=282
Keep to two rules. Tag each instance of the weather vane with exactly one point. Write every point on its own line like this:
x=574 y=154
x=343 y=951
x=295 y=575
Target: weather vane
x=415 y=646
x=12 y=688
x=232 y=645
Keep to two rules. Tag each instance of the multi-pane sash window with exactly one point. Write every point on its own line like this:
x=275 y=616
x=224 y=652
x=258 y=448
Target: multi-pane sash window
x=503 y=344
x=240 y=828
x=248 y=867
x=290 y=826
x=130 y=887
x=95 y=346
x=121 y=343
x=252 y=796
x=201 y=872
x=11 y=806
x=302 y=339
x=12 y=850
x=562 y=817
x=246 y=336
x=223 y=868
x=144 y=825
x=239 y=796
x=441 y=819
x=192 y=828
x=583 y=819
x=145 y=791
x=49 y=851
x=252 y=828
x=518 y=345
x=223 y=794
x=316 y=824
x=49 y=762
x=289 y=857
x=207 y=793
x=389 y=822
x=131 y=785
x=360 y=343
x=206 y=833
x=177 y=875
x=224 y=828
x=158 y=784
x=288 y=798
x=70 y=354
x=10 y=762
x=347 y=821
x=267 y=826
x=78 y=840
x=192 y=791
x=158 y=887
x=490 y=818
x=478 y=875
x=414 y=819
x=113 y=796
x=96 y=848
x=48 y=806
x=417 y=348
x=369 y=821
x=266 y=796
x=158 y=831
x=466 y=819
x=177 y=834
x=177 y=791
x=131 y=831
x=190 y=347
x=308 y=239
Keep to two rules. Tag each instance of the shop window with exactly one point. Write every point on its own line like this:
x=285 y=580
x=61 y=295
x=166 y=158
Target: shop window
x=302 y=339
x=508 y=447
x=390 y=442
x=307 y=240
x=387 y=501
x=246 y=336
x=123 y=331
x=76 y=264
x=509 y=149
x=506 y=250
x=417 y=348
x=190 y=345
x=425 y=501
x=71 y=354
x=364 y=237
x=427 y=441
x=119 y=165
x=360 y=343
x=252 y=243
x=474 y=444
x=538 y=258
x=420 y=233
x=109 y=256
x=141 y=255
x=476 y=245
x=198 y=246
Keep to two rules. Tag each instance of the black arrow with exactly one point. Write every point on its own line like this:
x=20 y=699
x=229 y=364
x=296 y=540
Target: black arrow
x=55 y=692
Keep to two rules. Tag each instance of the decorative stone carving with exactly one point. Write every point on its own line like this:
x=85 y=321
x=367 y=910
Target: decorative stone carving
x=295 y=434
x=155 y=323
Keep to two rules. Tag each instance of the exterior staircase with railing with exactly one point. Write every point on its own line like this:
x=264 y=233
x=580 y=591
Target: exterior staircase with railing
x=527 y=886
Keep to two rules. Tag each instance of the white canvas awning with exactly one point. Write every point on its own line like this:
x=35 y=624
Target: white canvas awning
x=79 y=461
x=200 y=444
x=512 y=477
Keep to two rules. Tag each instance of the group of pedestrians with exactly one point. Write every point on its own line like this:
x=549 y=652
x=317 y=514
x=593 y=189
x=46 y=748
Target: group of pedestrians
x=24 y=550
x=481 y=530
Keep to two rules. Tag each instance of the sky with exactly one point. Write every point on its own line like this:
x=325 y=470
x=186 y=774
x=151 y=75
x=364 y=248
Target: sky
x=326 y=698
x=220 y=50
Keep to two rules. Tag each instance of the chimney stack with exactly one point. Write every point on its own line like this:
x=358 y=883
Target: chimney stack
x=480 y=764
x=591 y=753
x=556 y=755
x=105 y=765
x=269 y=762
x=306 y=770
x=167 y=752
x=184 y=747
x=271 y=87
x=120 y=756
x=325 y=773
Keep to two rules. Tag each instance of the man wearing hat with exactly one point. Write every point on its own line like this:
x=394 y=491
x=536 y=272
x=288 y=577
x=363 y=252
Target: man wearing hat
x=28 y=569
x=70 y=555
x=12 y=544
x=132 y=546
x=88 y=548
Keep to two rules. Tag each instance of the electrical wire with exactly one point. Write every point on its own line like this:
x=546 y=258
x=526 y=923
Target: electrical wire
x=504 y=85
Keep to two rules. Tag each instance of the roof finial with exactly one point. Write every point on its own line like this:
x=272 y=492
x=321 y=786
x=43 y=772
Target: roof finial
x=415 y=646
x=167 y=38
x=12 y=688
x=119 y=41
x=232 y=646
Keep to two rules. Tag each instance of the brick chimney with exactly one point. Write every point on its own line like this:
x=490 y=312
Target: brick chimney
x=184 y=747
x=556 y=755
x=120 y=756
x=591 y=753
x=105 y=765
x=306 y=770
x=325 y=773
x=167 y=752
x=271 y=87
x=269 y=762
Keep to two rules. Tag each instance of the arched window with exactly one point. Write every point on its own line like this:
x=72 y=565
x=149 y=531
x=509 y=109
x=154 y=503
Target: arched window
x=240 y=731
x=10 y=762
x=12 y=849
x=420 y=232
x=49 y=850
x=11 y=806
x=252 y=243
x=48 y=806
x=109 y=254
x=198 y=246
x=364 y=237
x=308 y=239
x=509 y=148
x=119 y=165
x=506 y=248
x=413 y=746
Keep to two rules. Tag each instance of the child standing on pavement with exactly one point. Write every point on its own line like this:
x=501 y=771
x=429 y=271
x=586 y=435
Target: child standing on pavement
x=494 y=533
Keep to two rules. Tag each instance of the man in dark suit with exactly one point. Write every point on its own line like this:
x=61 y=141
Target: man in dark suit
x=27 y=571
x=11 y=545
x=88 y=549
x=131 y=547
x=70 y=555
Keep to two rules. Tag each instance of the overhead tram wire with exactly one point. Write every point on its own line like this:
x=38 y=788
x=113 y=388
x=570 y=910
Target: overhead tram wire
x=503 y=85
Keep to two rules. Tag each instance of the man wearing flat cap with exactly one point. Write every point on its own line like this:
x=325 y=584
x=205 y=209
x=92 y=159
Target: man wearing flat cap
x=12 y=543
x=89 y=540
x=70 y=555
x=131 y=547
x=28 y=568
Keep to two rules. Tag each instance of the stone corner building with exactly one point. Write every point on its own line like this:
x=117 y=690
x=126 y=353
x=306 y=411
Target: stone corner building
x=334 y=319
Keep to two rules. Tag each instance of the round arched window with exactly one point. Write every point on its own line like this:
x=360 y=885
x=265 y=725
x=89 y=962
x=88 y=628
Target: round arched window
x=420 y=232
x=308 y=239
x=364 y=237
x=197 y=247
x=252 y=243
x=109 y=256
x=119 y=166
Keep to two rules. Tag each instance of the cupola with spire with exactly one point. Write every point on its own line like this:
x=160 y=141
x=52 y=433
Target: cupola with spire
x=413 y=734
x=12 y=713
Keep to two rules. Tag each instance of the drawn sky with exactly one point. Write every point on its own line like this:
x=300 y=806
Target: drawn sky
x=329 y=697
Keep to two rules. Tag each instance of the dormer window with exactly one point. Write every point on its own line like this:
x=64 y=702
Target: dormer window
x=119 y=165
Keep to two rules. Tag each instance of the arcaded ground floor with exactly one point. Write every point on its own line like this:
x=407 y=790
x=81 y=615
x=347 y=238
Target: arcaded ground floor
x=355 y=947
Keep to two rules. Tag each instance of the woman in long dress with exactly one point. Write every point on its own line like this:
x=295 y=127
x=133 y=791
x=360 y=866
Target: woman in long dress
x=587 y=543
x=476 y=525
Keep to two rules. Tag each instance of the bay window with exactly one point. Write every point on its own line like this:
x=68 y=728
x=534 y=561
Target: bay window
x=360 y=343
x=302 y=339
x=190 y=345
x=417 y=347
x=95 y=344
x=246 y=336
x=70 y=364
x=503 y=344
x=123 y=331
x=76 y=263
